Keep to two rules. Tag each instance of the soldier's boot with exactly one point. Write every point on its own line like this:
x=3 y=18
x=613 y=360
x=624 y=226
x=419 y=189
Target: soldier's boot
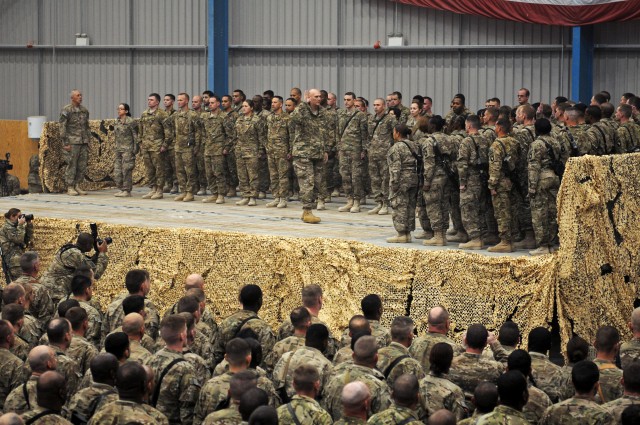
x=335 y=193
x=438 y=239
x=210 y=199
x=321 y=206
x=490 y=239
x=451 y=231
x=529 y=241
x=328 y=200
x=232 y=193
x=80 y=191
x=282 y=203
x=72 y=192
x=308 y=217
x=243 y=202
x=174 y=189
x=252 y=202
x=202 y=192
x=158 y=194
x=188 y=197
x=346 y=207
x=503 y=246
x=402 y=237
x=375 y=209
x=220 y=199
x=262 y=195
x=363 y=200
x=385 y=211
x=180 y=197
x=119 y=194
x=459 y=236
x=150 y=194
x=273 y=203
x=553 y=248
x=167 y=188
x=427 y=234
x=541 y=250
x=126 y=194
x=475 y=243
x=356 y=206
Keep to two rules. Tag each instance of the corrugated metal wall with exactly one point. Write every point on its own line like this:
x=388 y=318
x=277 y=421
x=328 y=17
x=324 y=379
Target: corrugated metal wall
x=38 y=81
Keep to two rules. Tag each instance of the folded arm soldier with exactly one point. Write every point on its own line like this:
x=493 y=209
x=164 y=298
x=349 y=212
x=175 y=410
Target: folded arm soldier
x=154 y=146
x=75 y=134
x=15 y=236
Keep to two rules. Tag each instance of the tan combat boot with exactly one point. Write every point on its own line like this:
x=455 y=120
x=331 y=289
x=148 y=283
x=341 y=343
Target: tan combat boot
x=252 y=202
x=321 y=206
x=475 y=243
x=210 y=199
x=459 y=236
x=308 y=217
x=490 y=239
x=529 y=241
x=262 y=195
x=80 y=191
x=151 y=193
x=402 y=237
x=438 y=239
x=385 y=210
x=273 y=203
x=126 y=194
x=424 y=235
x=243 y=202
x=375 y=209
x=232 y=193
x=451 y=231
x=180 y=197
x=220 y=199
x=188 y=197
x=346 y=207
x=504 y=246
x=72 y=192
x=282 y=203
x=356 y=206
x=166 y=188
x=119 y=194
x=541 y=250
x=159 y=193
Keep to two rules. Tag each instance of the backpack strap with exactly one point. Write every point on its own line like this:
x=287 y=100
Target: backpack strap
x=347 y=124
x=239 y=328
x=604 y=139
x=293 y=414
x=156 y=391
x=393 y=364
x=25 y=394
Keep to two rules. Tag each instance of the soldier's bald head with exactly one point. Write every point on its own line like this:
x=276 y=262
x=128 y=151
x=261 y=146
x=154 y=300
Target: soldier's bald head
x=50 y=388
x=41 y=359
x=442 y=417
x=438 y=316
x=11 y=419
x=354 y=394
x=132 y=324
x=359 y=324
x=104 y=367
x=405 y=390
x=365 y=350
x=194 y=281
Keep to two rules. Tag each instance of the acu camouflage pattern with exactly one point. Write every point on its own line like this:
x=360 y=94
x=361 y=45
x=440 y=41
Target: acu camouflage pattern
x=388 y=355
x=436 y=178
x=538 y=402
x=51 y=419
x=504 y=415
x=151 y=130
x=373 y=379
x=138 y=353
x=216 y=142
x=237 y=321
x=310 y=132
x=74 y=125
x=14 y=238
x=403 y=186
x=289 y=362
x=440 y=393
x=115 y=315
x=250 y=142
x=10 y=373
x=127 y=146
x=474 y=199
x=16 y=402
x=576 y=411
x=202 y=372
x=349 y=420
x=124 y=412
x=630 y=352
x=31 y=330
x=381 y=134
x=94 y=316
x=627 y=137
x=610 y=386
x=223 y=367
x=421 y=347
x=615 y=407
x=543 y=190
x=395 y=415
x=20 y=348
x=228 y=416
x=548 y=376
x=278 y=147
x=291 y=343
x=85 y=403
x=82 y=351
x=41 y=307
x=382 y=335
x=306 y=411
x=179 y=388
x=579 y=135
x=602 y=138
x=504 y=200
x=468 y=369
x=344 y=354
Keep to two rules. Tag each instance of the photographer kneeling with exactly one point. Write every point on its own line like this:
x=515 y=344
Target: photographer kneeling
x=15 y=236
x=68 y=259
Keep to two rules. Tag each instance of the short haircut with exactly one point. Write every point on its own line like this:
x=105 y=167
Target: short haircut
x=630 y=415
x=84 y=270
x=184 y=94
x=242 y=382
x=607 y=110
x=251 y=296
x=304 y=378
x=520 y=360
x=76 y=316
x=171 y=96
x=600 y=98
x=5 y=330
x=131 y=378
x=188 y=304
x=562 y=107
x=359 y=323
x=505 y=124
x=625 y=109
x=171 y=327
x=485 y=396
x=264 y=415
x=509 y=334
x=584 y=375
x=526 y=91
x=57 y=329
x=241 y=93
x=474 y=121
x=440 y=358
x=546 y=111
x=607 y=338
x=401 y=328
x=133 y=304
x=493 y=112
x=65 y=305
x=208 y=92
x=477 y=336
x=132 y=324
x=561 y=99
x=189 y=319
x=237 y=351
x=117 y=343
x=437 y=123
x=134 y=280
x=103 y=366
x=461 y=97
x=542 y=127
x=350 y=93
x=28 y=261
x=12 y=293
x=631 y=376
x=79 y=285
x=577 y=349
x=405 y=390
x=511 y=387
x=13 y=313
x=317 y=336
x=251 y=400
x=365 y=349
x=539 y=340
x=299 y=317
x=371 y=306
x=84 y=241
x=156 y=96
x=311 y=295
x=528 y=111
x=38 y=358
x=594 y=112
x=397 y=93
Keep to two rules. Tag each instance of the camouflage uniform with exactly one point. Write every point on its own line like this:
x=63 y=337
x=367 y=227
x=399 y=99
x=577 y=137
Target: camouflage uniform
x=354 y=140
x=20 y=348
x=382 y=335
x=343 y=355
x=88 y=401
x=308 y=148
x=41 y=307
x=223 y=367
x=75 y=132
x=286 y=330
x=405 y=113
x=473 y=420
x=127 y=142
x=291 y=343
x=380 y=394
x=187 y=138
x=627 y=137
x=149 y=344
x=437 y=179
x=202 y=347
x=228 y=416
x=230 y=171
x=95 y=321
x=14 y=238
x=615 y=407
x=278 y=147
x=250 y=142
x=125 y=412
x=348 y=420
x=543 y=190
x=283 y=372
x=578 y=134
x=610 y=376
x=16 y=401
x=82 y=351
x=440 y=393
x=473 y=200
x=306 y=411
x=206 y=321
x=525 y=137
x=216 y=142
x=152 y=139
x=115 y=315
x=332 y=167
x=576 y=411
x=381 y=135
x=504 y=415
x=263 y=163
x=49 y=419
x=561 y=134
x=602 y=137
x=179 y=388
x=216 y=390
x=468 y=369
x=538 y=402
x=403 y=184
x=58 y=277
x=388 y=355
x=202 y=372
x=198 y=153
x=31 y=330
x=548 y=376
x=454 y=195
x=629 y=352
x=68 y=368
x=395 y=415
x=138 y=353
x=421 y=347
x=169 y=156
x=33 y=180
x=239 y=320
x=11 y=375
x=504 y=200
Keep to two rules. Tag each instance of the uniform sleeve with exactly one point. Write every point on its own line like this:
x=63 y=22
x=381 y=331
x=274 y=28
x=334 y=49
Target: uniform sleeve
x=152 y=322
x=464 y=159
x=364 y=131
x=64 y=117
x=536 y=154
x=169 y=128
x=429 y=162
x=495 y=165
x=395 y=164
x=87 y=129
x=101 y=266
x=135 y=126
x=189 y=391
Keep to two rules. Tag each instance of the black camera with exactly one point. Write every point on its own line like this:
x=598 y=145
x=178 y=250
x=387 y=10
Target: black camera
x=27 y=217
x=108 y=240
x=5 y=165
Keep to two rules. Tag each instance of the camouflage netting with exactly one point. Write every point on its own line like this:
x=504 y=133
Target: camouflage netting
x=591 y=281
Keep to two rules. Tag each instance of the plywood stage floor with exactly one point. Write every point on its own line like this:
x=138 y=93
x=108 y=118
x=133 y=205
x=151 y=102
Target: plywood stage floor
x=134 y=211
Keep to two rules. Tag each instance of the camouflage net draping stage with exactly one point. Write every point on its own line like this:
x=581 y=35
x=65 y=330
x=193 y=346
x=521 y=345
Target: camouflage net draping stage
x=591 y=281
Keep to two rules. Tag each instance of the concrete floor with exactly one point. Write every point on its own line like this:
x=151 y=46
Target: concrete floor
x=134 y=211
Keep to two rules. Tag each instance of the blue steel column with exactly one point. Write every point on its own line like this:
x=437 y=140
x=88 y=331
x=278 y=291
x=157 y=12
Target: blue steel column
x=582 y=64
x=218 y=42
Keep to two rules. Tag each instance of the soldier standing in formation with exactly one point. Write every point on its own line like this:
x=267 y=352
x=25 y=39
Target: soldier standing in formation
x=127 y=146
x=75 y=134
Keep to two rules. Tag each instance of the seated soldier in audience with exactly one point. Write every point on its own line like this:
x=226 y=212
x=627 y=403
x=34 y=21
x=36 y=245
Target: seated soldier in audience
x=51 y=396
x=512 y=388
x=394 y=360
x=80 y=350
x=547 y=375
x=250 y=401
x=631 y=396
x=577 y=350
x=60 y=333
x=134 y=387
x=311 y=354
x=301 y=320
x=14 y=314
x=201 y=366
x=538 y=400
x=82 y=291
x=436 y=389
x=11 y=375
x=357 y=325
x=405 y=397
x=41 y=359
x=251 y=300
x=581 y=408
x=196 y=281
x=485 y=399
x=228 y=412
x=439 y=323
x=372 y=309
x=31 y=329
x=356 y=399
x=136 y=304
x=61 y=311
x=198 y=342
x=102 y=391
x=630 y=350
x=509 y=336
x=303 y=407
x=41 y=306
x=607 y=346
x=133 y=327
